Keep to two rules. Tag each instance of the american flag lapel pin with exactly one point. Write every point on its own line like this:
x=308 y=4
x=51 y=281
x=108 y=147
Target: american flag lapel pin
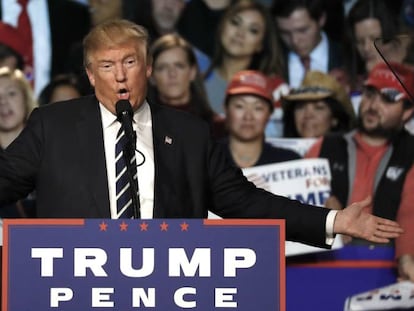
x=168 y=140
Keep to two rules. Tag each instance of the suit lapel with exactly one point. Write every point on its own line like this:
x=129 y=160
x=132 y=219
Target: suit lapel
x=90 y=136
x=165 y=158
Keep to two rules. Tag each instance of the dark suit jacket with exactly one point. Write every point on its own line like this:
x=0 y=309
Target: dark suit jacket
x=61 y=155
x=69 y=23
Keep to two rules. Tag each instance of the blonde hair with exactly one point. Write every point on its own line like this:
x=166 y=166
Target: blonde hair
x=113 y=33
x=24 y=85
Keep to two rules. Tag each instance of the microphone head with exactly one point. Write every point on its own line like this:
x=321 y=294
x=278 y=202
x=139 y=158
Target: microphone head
x=123 y=107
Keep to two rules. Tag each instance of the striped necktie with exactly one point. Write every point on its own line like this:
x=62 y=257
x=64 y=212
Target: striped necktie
x=124 y=191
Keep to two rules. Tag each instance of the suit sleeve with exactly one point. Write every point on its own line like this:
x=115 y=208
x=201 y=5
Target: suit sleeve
x=235 y=197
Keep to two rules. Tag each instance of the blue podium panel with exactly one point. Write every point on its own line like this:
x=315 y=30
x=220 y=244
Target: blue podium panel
x=160 y=264
x=329 y=278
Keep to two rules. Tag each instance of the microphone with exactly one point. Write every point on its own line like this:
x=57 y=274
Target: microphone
x=124 y=115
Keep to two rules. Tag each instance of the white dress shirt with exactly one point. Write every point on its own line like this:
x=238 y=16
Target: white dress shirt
x=319 y=60
x=143 y=126
x=42 y=47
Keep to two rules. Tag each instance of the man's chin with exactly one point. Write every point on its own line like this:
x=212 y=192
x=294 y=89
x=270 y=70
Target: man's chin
x=378 y=132
x=246 y=138
x=372 y=130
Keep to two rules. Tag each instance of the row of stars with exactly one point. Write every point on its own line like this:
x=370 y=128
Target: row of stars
x=143 y=226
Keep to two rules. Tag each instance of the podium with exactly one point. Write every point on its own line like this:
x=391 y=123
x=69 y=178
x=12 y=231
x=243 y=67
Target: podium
x=325 y=280
x=158 y=264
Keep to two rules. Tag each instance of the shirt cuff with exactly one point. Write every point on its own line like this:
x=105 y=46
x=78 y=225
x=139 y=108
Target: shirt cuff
x=330 y=219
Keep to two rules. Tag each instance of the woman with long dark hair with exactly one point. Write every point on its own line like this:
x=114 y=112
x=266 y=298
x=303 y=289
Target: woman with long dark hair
x=245 y=39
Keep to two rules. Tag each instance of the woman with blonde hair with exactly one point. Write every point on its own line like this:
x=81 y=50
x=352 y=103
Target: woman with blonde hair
x=16 y=103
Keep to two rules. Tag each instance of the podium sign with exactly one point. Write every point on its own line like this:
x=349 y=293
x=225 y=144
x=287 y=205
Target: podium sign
x=159 y=264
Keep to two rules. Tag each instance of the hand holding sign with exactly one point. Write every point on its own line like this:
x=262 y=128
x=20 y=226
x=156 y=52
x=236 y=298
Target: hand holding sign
x=406 y=268
x=258 y=181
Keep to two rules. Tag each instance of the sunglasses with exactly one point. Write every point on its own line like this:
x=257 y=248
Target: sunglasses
x=388 y=95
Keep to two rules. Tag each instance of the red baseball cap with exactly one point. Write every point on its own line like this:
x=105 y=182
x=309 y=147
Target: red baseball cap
x=384 y=80
x=10 y=36
x=251 y=82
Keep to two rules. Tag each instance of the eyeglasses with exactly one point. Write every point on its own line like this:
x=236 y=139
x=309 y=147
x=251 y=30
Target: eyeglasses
x=388 y=95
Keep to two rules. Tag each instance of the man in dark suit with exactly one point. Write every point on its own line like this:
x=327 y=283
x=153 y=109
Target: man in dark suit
x=66 y=153
x=56 y=27
x=306 y=45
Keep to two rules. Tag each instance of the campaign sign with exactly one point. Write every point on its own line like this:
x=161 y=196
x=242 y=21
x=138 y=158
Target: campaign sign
x=299 y=145
x=159 y=264
x=305 y=180
x=396 y=296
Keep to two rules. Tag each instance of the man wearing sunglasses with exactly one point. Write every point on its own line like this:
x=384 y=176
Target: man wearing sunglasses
x=376 y=159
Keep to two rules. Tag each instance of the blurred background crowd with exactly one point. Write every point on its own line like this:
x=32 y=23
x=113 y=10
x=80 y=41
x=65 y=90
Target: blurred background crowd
x=199 y=45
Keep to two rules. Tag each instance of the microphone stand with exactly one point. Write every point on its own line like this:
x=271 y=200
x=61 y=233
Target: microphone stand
x=390 y=66
x=128 y=154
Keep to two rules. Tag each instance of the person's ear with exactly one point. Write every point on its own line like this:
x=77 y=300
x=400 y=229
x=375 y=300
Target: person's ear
x=334 y=122
x=193 y=73
x=91 y=77
x=322 y=20
x=407 y=114
x=149 y=71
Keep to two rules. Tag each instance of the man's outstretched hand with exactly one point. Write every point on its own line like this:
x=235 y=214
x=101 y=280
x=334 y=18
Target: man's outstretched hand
x=356 y=222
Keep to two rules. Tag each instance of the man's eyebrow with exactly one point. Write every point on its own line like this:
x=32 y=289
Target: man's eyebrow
x=100 y=61
x=131 y=55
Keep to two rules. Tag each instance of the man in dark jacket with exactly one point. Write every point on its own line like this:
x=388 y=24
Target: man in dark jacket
x=377 y=158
